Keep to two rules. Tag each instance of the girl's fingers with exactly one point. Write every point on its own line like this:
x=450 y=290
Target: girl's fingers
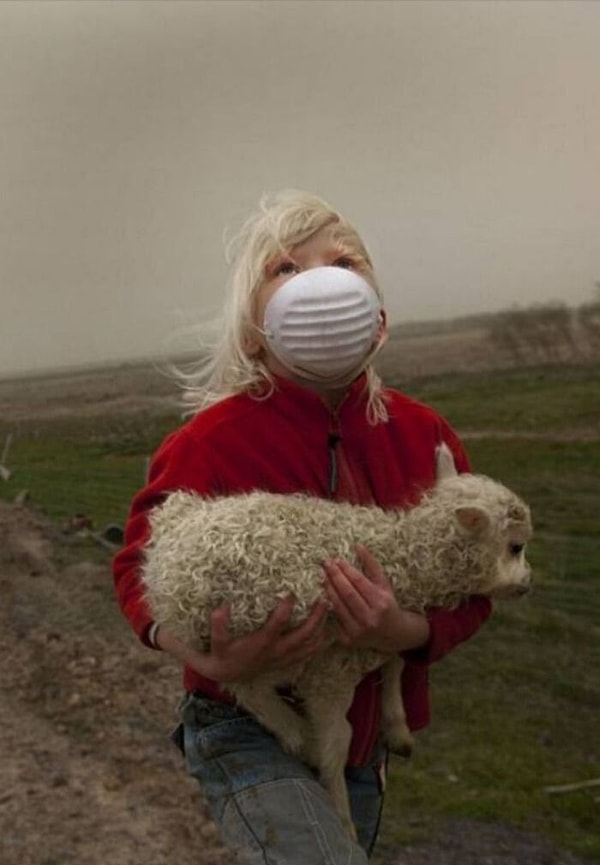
x=307 y=630
x=279 y=617
x=371 y=567
x=303 y=651
x=219 y=626
x=274 y=642
x=344 y=590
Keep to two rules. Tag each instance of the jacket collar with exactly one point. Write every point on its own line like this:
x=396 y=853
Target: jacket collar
x=306 y=399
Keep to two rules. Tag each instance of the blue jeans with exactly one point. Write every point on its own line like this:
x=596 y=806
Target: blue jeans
x=269 y=805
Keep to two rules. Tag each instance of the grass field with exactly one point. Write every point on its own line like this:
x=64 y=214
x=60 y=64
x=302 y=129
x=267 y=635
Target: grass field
x=515 y=710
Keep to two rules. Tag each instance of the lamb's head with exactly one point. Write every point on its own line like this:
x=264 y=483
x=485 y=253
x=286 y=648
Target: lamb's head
x=497 y=522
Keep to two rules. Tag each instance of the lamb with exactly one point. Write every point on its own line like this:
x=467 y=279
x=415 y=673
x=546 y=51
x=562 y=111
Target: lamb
x=466 y=536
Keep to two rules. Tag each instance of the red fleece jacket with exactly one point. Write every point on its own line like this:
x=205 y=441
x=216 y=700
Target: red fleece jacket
x=290 y=442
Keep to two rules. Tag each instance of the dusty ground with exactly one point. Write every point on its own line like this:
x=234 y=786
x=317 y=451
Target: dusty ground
x=88 y=774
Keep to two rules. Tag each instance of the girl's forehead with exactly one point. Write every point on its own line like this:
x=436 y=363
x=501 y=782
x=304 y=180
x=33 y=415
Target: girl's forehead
x=330 y=237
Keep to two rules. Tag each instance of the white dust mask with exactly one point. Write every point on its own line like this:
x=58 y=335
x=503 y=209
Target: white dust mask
x=322 y=325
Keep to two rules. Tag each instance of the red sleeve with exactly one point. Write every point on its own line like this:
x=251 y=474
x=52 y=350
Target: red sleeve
x=180 y=463
x=451 y=627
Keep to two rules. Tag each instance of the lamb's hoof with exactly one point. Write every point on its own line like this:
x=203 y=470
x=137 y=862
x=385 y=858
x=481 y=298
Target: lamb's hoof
x=402 y=750
x=400 y=744
x=294 y=740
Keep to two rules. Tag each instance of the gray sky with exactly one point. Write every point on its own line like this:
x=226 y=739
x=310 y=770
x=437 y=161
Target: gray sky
x=462 y=138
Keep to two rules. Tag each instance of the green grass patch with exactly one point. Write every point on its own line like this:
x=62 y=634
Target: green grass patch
x=534 y=401
x=90 y=466
x=559 y=479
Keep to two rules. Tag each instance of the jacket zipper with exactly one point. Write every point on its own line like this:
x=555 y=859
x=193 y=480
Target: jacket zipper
x=334 y=437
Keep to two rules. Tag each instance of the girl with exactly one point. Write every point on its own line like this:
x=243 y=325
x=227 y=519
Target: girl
x=289 y=402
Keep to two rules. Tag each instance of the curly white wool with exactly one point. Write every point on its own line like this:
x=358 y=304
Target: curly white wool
x=251 y=550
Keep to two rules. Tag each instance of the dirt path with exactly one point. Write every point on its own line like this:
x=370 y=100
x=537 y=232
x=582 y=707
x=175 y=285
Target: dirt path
x=87 y=773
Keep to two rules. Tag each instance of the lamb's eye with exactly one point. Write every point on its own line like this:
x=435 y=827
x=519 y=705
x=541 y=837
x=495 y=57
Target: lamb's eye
x=516 y=549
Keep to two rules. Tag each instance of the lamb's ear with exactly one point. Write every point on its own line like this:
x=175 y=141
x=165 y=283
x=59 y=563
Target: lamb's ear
x=444 y=462
x=472 y=518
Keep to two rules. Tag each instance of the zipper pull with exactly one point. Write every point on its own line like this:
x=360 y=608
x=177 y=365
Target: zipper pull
x=332 y=441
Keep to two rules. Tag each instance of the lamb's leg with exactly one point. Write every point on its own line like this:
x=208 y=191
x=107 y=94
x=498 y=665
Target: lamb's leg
x=261 y=699
x=330 y=735
x=394 y=730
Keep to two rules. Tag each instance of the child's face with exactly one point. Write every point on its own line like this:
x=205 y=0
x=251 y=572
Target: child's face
x=322 y=249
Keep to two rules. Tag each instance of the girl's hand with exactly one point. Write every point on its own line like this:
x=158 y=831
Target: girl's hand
x=367 y=613
x=233 y=659
x=271 y=647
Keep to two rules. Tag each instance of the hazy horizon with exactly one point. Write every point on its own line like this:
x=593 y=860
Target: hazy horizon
x=462 y=139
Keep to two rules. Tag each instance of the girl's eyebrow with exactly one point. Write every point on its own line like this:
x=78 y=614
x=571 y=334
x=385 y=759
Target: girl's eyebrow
x=349 y=252
x=278 y=259
x=344 y=245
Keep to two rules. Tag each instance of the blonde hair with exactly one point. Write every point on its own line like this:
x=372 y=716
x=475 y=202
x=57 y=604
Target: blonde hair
x=281 y=222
